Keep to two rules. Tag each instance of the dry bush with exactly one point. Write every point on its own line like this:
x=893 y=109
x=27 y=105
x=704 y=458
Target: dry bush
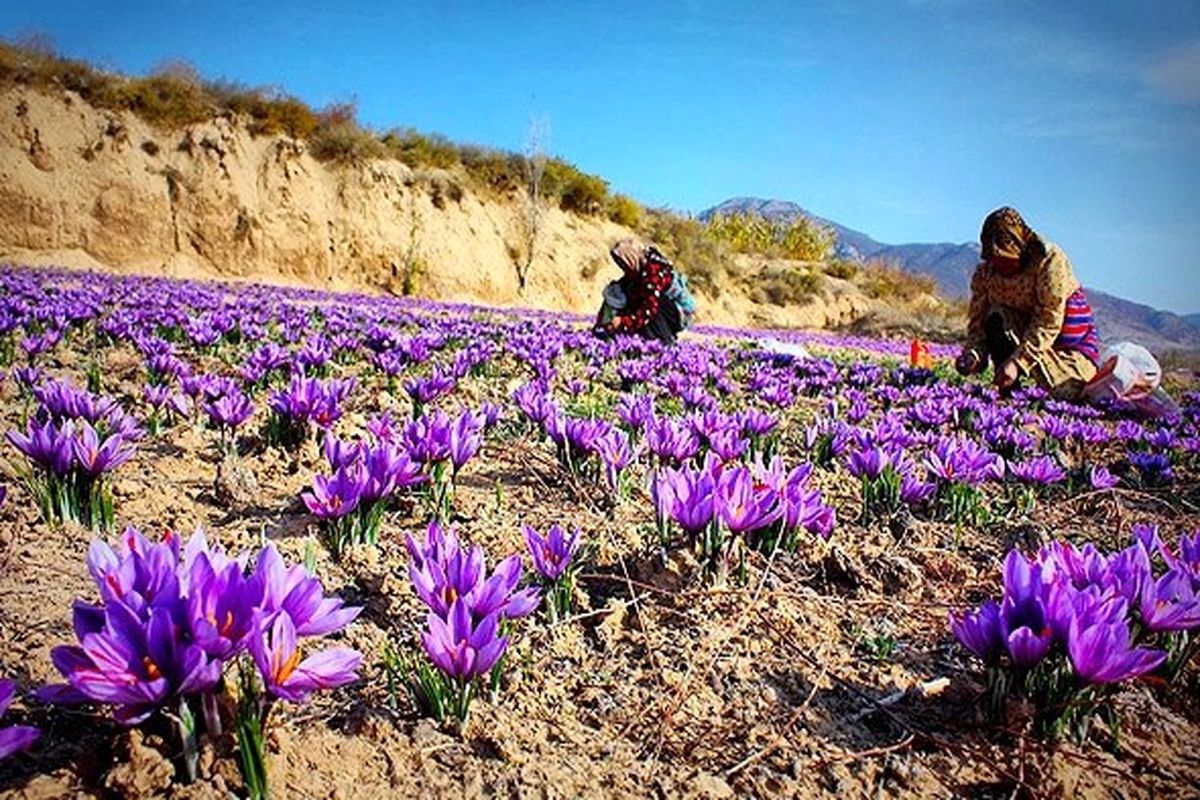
x=787 y=286
x=420 y=150
x=624 y=210
x=883 y=281
x=339 y=138
x=500 y=171
x=800 y=238
x=840 y=268
x=574 y=190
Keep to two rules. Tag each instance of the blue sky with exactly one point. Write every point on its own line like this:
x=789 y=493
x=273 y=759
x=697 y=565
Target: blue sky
x=907 y=121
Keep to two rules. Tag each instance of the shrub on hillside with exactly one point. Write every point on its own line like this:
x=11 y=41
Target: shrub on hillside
x=500 y=171
x=624 y=210
x=800 y=238
x=841 y=268
x=884 y=281
x=785 y=287
x=267 y=112
x=418 y=149
x=575 y=190
x=339 y=138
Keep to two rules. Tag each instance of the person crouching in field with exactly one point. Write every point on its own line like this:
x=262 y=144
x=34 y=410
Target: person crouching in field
x=1028 y=313
x=639 y=302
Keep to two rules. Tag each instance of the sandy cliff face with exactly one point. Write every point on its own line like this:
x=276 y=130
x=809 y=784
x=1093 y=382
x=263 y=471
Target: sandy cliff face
x=85 y=187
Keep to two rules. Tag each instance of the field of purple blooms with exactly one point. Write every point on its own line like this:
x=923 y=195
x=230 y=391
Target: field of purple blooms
x=281 y=542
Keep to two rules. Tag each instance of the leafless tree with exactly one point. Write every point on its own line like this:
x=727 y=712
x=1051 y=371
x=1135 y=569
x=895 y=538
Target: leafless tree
x=532 y=217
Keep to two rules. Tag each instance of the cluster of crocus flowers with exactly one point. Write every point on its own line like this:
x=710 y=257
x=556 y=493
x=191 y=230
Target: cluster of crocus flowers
x=72 y=442
x=366 y=477
x=227 y=407
x=469 y=610
x=721 y=507
x=1074 y=621
x=423 y=391
x=443 y=445
x=167 y=406
x=554 y=560
x=171 y=620
x=889 y=481
x=304 y=403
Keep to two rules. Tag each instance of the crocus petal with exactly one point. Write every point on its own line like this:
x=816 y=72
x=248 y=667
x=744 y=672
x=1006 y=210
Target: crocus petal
x=16 y=738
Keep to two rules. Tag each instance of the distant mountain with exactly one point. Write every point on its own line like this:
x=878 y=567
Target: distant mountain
x=952 y=265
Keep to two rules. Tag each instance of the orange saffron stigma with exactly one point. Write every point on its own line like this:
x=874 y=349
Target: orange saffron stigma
x=282 y=671
x=152 y=670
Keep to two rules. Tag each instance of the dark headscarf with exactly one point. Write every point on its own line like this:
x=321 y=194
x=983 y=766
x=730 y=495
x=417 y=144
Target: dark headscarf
x=1006 y=235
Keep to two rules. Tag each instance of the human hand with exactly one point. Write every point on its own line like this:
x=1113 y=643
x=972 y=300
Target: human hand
x=1007 y=374
x=967 y=363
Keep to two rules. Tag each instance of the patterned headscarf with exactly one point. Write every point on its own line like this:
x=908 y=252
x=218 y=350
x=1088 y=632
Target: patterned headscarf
x=629 y=255
x=1004 y=234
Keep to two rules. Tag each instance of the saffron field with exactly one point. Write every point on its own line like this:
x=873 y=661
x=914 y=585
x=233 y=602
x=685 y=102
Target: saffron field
x=279 y=542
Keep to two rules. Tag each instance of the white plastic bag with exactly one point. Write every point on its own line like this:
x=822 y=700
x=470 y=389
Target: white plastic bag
x=790 y=349
x=1129 y=373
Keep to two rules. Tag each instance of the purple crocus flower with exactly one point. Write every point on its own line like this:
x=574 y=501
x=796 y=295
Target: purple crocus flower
x=1023 y=620
x=1103 y=653
x=553 y=552
x=868 y=463
x=335 y=496
x=742 y=505
x=757 y=423
x=425 y=390
x=635 y=410
x=339 y=452
x=292 y=591
x=47 y=446
x=461 y=648
x=427 y=438
x=277 y=656
x=914 y=491
x=728 y=443
x=229 y=410
x=446 y=572
x=1155 y=468
x=1102 y=479
x=687 y=494
x=14 y=738
x=670 y=442
x=616 y=454
x=1041 y=471
x=388 y=468
x=980 y=631
x=1171 y=603
x=221 y=605
x=95 y=458
x=137 y=665
x=466 y=438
